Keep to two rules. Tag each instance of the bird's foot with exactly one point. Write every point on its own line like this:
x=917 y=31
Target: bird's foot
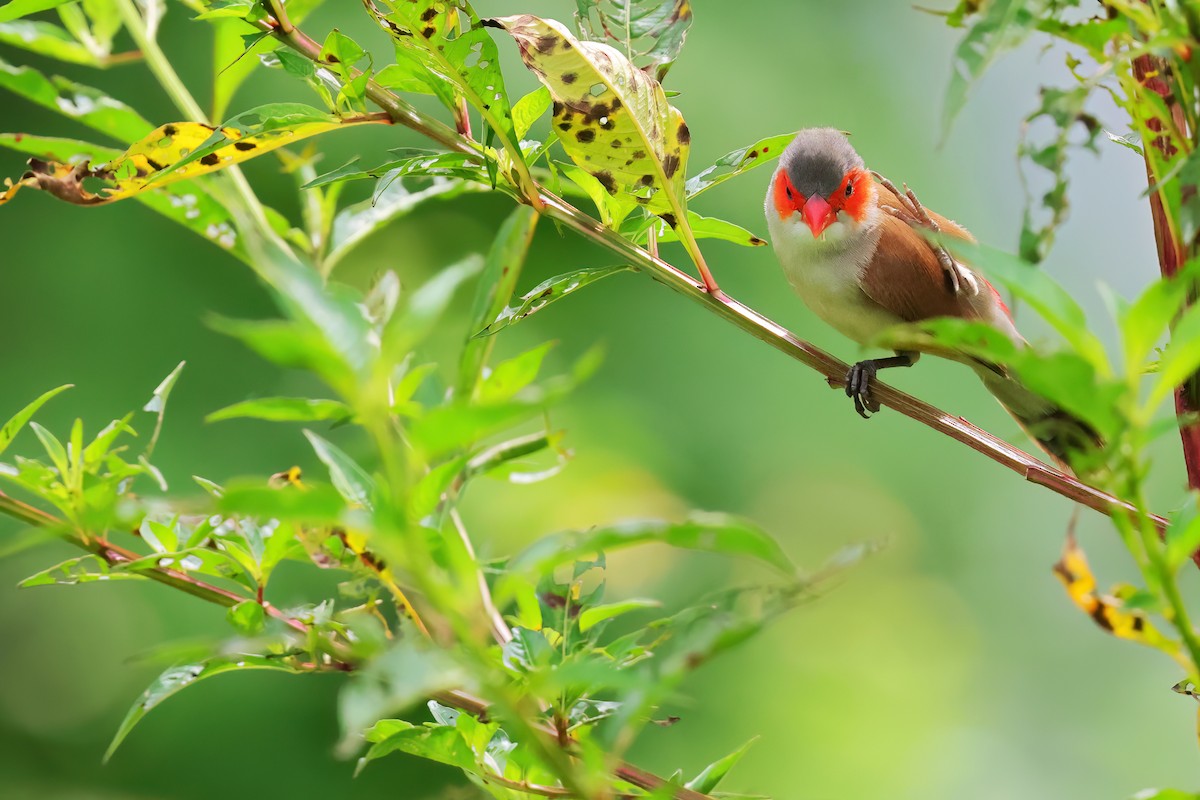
x=959 y=279
x=858 y=386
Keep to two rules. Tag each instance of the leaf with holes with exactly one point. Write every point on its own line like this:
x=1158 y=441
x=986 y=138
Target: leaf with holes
x=650 y=32
x=547 y=292
x=184 y=202
x=613 y=120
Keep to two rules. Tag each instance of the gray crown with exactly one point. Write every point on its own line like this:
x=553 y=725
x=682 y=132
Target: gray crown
x=818 y=159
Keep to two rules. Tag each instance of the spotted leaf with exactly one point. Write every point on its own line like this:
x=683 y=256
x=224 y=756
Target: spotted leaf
x=1106 y=611
x=179 y=151
x=613 y=119
x=650 y=32
x=184 y=202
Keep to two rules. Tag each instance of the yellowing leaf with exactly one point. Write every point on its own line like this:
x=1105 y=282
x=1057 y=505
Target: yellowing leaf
x=180 y=151
x=1106 y=611
x=614 y=120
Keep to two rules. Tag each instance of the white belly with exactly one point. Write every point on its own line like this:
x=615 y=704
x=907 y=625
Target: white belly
x=825 y=274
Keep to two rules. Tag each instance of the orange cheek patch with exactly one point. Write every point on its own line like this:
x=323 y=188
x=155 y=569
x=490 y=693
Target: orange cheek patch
x=785 y=206
x=856 y=204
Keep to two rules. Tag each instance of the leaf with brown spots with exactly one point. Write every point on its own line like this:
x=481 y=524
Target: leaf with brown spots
x=650 y=32
x=1106 y=611
x=184 y=202
x=613 y=120
x=177 y=152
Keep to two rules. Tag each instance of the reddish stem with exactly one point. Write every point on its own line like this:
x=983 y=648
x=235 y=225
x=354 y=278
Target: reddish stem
x=1153 y=73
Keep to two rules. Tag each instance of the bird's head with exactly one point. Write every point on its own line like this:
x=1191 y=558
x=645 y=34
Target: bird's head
x=822 y=183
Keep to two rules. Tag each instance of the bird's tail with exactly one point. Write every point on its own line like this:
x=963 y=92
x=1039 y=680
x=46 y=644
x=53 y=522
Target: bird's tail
x=1061 y=434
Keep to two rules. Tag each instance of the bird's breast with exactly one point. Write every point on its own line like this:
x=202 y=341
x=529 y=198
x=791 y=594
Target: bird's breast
x=826 y=274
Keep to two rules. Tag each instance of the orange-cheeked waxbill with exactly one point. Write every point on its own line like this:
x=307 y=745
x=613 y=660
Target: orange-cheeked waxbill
x=848 y=247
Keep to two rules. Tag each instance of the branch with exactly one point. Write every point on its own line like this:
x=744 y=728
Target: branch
x=1027 y=466
x=463 y=701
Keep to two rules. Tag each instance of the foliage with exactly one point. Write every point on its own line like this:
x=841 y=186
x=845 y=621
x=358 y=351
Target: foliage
x=536 y=683
x=535 y=680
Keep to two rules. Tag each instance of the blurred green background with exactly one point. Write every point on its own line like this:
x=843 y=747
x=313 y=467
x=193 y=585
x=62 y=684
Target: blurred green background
x=950 y=665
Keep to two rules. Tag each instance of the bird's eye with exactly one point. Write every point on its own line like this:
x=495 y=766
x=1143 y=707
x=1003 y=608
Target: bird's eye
x=849 y=188
x=789 y=193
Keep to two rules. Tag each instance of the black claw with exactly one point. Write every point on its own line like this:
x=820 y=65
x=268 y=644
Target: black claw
x=858 y=386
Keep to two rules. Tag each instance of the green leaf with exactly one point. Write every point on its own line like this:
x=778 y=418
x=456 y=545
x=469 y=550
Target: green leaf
x=234 y=62
x=157 y=404
x=247 y=617
x=1180 y=359
x=84 y=569
x=283 y=409
x=441 y=743
x=591 y=617
x=319 y=504
x=23 y=8
x=351 y=480
x=1183 y=534
x=177 y=678
x=1002 y=25
x=408 y=672
x=356 y=222
x=451 y=427
x=547 y=292
x=46 y=39
x=501 y=271
x=713 y=774
x=290 y=345
x=1145 y=320
x=705 y=531
x=704 y=228
x=738 y=162
x=1051 y=301
x=11 y=428
x=425 y=307
x=529 y=109
x=509 y=377
x=54 y=449
x=457 y=64
x=83 y=104
x=649 y=32
x=424 y=165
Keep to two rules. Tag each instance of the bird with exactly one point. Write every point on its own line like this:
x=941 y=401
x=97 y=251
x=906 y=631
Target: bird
x=848 y=243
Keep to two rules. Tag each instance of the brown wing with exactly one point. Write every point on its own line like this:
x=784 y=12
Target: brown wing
x=904 y=275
